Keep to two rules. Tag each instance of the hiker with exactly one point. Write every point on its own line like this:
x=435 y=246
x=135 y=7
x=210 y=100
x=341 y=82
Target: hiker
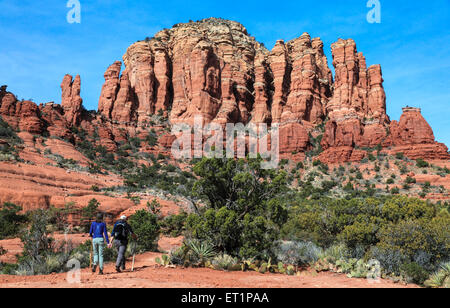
x=99 y=234
x=120 y=234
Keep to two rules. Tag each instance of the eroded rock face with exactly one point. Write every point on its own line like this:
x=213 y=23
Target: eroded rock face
x=124 y=106
x=21 y=115
x=214 y=69
x=414 y=137
x=357 y=109
x=109 y=90
x=310 y=80
x=71 y=100
x=412 y=128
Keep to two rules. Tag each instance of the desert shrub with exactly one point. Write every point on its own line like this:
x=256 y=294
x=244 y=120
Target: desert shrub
x=243 y=214
x=395 y=191
x=403 y=170
x=410 y=180
x=217 y=225
x=390 y=260
x=40 y=254
x=145 y=226
x=393 y=230
x=88 y=214
x=59 y=216
x=135 y=142
x=36 y=241
x=425 y=243
x=359 y=175
x=400 y=155
x=156 y=177
x=173 y=225
x=335 y=252
x=11 y=220
x=95 y=188
x=421 y=163
x=414 y=273
x=328 y=185
x=151 y=139
x=8 y=268
x=297 y=253
x=11 y=138
x=377 y=168
x=400 y=208
x=359 y=234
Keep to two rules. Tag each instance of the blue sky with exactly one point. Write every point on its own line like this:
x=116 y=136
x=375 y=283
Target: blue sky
x=412 y=43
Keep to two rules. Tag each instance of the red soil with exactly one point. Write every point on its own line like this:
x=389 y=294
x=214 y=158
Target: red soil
x=148 y=275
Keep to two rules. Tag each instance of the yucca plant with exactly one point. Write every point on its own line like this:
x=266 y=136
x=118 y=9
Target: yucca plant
x=201 y=251
x=441 y=278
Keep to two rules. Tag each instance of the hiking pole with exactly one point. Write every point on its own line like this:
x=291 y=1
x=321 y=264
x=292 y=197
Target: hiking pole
x=90 y=256
x=134 y=255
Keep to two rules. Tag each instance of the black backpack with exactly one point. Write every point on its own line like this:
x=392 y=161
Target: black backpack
x=121 y=231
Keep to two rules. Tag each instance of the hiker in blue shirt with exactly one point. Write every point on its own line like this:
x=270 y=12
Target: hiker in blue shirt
x=99 y=234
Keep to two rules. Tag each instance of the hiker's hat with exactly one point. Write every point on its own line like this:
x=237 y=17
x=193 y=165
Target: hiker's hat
x=123 y=217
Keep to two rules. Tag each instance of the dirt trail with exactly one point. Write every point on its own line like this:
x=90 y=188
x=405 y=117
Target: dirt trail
x=148 y=275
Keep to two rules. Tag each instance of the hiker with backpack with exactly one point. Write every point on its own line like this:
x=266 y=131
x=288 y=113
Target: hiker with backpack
x=120 y=234
x=99 y=234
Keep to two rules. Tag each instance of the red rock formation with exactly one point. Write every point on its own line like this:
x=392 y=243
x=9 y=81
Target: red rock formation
x=53 y=114
x=21 y=115
x=280 y=68
x=293 y=138
x=412 y=128
x=414 y=137
x=71 y=100
x=357 y=110
x=139 y=61
x=29 y=117
x=262 y=86
x=124 y=106
x=309 y=82
x=109 y=89
x=214 y=69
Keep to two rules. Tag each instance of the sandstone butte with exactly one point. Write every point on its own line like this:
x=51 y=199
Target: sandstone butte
x=215 y=69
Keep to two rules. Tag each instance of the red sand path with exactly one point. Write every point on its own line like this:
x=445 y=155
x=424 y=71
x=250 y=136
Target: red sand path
x=148 y=275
